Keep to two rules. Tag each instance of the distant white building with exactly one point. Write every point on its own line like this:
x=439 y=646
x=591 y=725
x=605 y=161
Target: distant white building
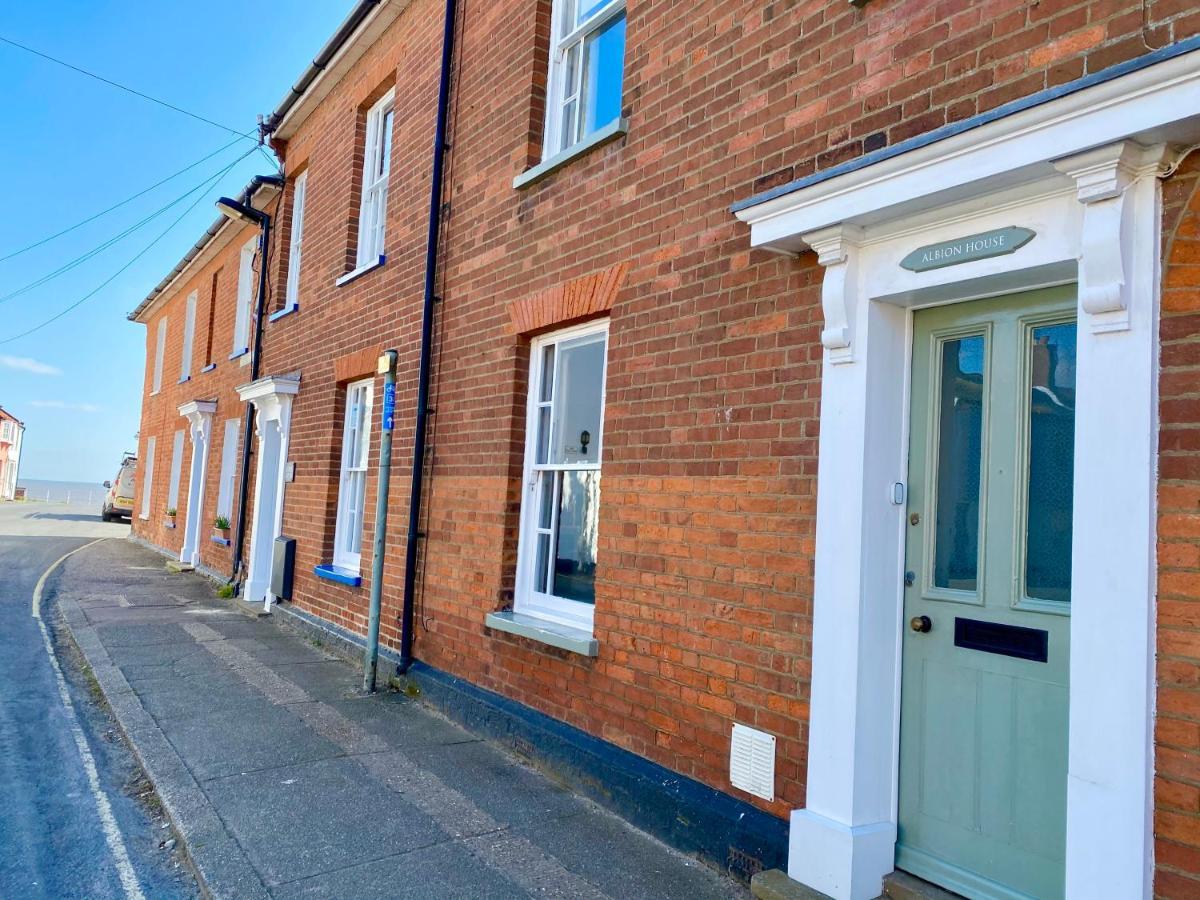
x=12 y=433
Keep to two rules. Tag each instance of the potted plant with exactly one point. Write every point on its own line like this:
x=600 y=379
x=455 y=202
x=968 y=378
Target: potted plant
x=221 y=525
x=171 y=517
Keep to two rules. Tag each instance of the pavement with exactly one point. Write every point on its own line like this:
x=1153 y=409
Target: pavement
x=77 y=818
x=285 y=781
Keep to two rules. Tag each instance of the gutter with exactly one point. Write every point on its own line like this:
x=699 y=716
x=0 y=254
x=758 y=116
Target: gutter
x=345 y=31
x=422 y=419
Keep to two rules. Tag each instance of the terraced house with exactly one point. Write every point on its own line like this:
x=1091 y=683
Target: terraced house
x=793 y=427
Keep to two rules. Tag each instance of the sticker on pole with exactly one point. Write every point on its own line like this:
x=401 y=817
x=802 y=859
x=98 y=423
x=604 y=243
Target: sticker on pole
x=389 y=406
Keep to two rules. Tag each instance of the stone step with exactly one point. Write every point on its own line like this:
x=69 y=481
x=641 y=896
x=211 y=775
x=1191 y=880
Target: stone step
x=774 y=884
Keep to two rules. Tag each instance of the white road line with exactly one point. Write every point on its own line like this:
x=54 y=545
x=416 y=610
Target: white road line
x=112 y=833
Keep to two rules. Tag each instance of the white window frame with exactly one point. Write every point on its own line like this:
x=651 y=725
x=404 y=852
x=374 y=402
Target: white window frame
x=189 y=337
x=528 y=601
x=372 y=214
x=229 y=445
x=350 y=518
x=160 y=349
x=176 y=472
x=245 y=298
x=560 y=56
x=299 y=192
x=147 y=477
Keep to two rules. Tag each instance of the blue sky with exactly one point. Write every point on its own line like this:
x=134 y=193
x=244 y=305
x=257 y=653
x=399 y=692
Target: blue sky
x=72 y=146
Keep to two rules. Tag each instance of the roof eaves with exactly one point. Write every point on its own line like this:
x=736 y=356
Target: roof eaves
x=257 y=183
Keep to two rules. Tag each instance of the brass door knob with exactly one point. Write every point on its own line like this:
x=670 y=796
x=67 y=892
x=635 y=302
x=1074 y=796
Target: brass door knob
x=920 y=624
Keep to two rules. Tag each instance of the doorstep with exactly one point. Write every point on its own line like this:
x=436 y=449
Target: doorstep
x=774 y=884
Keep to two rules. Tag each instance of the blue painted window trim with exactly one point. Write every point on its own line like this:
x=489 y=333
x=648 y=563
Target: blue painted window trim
x=217 y=539
x=338 y=574
x=238 y=353
x=184 y=380
x=280 y=313
x=208 y=368
x=360 y=271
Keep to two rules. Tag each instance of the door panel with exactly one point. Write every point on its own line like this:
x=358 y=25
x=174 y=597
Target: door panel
x=983 y=734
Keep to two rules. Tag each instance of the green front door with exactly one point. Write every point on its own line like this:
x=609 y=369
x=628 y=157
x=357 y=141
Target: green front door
x=983 y=727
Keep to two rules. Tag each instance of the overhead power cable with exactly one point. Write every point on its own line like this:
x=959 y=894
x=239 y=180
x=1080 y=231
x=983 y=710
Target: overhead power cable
x=117 y=238
x=212 y=181
x=116 y=206
x=179 y=109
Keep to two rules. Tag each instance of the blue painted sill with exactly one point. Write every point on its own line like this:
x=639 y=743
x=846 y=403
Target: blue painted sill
x=341 y=576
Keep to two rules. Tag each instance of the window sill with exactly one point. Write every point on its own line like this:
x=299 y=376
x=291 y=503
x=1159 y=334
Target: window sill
x=238 y=354
x=280 y=313
x=610 y=131
x=575 y=640
x=184 y=380
x=210 y=367
x=360 y=271
x=220 y=541
x=338 y=574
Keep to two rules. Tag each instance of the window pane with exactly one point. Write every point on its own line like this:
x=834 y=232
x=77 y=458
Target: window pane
x=567 y=137
x=605 y=68
x=547 y=374
x=543 y=557
x=577 y=400
x=589 y=8
x=543 y=427
x=959 y=446
x=385 y=144
x=578 y=518
x=1051 y=462
x=547 y=505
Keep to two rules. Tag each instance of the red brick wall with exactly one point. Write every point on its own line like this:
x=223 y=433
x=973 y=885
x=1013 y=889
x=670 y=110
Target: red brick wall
x=1177 y=734
x=710 y=445
x=160 y=412
x=706 y=533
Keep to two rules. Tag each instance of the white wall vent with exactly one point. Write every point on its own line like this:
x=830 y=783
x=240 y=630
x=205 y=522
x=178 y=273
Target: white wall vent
x=752 y=761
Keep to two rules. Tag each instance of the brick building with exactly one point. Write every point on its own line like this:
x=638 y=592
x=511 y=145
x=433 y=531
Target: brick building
x=12 y=435
x=766 y=345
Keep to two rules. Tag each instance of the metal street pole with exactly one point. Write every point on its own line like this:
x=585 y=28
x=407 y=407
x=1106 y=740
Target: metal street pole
x=387 y=367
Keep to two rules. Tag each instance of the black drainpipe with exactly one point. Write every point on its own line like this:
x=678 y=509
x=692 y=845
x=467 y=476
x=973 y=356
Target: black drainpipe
x=431 y=257
x=255 y=367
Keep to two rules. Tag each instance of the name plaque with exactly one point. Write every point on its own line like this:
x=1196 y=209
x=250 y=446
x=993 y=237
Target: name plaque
x=999 y=242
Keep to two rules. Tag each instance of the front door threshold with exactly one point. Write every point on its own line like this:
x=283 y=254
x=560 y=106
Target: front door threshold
x=776 y=885
x=903 y=886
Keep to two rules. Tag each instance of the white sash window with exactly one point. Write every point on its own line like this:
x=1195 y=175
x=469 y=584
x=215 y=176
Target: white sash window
x=352 y=490
x=299 y=191
x=587 y=70
x=560 y=509
x=377 y=154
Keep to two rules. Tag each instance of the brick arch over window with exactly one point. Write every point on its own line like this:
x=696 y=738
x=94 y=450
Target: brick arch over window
x=568 y=302
x=1177 y=732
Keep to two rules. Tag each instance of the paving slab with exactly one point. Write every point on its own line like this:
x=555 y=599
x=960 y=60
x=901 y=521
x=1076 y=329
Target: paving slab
x=346 y=818
x=285 y=781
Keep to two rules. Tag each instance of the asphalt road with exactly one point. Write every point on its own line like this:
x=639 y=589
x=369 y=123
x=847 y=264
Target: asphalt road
x=53 y=812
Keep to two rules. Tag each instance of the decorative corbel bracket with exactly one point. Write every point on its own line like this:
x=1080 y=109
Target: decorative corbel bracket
x=199 y=414
x=837 y=250
x=272 y=399
x=1103 y=177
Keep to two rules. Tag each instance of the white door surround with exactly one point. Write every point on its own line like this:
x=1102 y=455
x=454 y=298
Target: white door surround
x=272 y=399
x=1081 y=171
x=199 y=414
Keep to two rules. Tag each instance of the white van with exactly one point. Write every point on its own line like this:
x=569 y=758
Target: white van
x=118 y=501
